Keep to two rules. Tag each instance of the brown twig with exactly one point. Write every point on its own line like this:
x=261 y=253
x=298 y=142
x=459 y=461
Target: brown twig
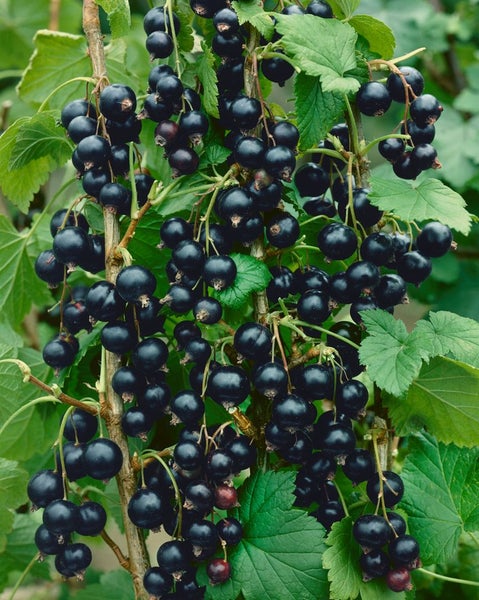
x=54 y=24
x=122 y=559
x=130 y=232
x=65 y=398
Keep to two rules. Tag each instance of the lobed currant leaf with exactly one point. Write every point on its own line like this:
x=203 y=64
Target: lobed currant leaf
x=441 y=484
x=331 y=60
x=280 y=553
x=430 y=199
x=252 y=276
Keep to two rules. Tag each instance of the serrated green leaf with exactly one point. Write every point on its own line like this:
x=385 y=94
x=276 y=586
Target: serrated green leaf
x=441 y=485
x=34 y=430
x=331 y=59
x=344 y=8
x=12 y=484
x=20 y=185
x=38 y=137
x=391 y=358
x=280 y=553
x=20 y=285
x=443 y=398
x=57 y=54
x=317 y=111
x=207 y=75
x=216 y=154
x=428 y=200
x=118 y=12
x=341 y=560
x=6 y=526
x=252 y=276
x=252 y=12
x=446 y=333
x=118 y=583
x=379 y=36
x=185 y=38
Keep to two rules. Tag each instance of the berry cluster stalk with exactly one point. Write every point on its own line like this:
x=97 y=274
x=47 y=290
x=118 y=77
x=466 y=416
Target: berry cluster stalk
x=138 y=560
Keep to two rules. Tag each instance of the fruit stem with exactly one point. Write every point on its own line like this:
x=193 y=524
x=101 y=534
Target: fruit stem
x=341 y=498
x=61 y=86
x=122 y=559
x=446 y=578
x=370 y=145
x=21 y=579
x=126 y=478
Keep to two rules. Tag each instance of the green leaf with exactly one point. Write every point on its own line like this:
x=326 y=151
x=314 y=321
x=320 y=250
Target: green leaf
x=39 y=137
x=331 y=59
x=447 y=333
x=19 y=283
x=252 y=276
x=185 y=39
x=392 y=360
x=252 y=12
x=344 y=8
x=6 y=526
x=280 y=553
x=317 y=111
x=428 y=200
x=441 y=485
x=56 y=56
x=118 y=584
x=118 y=12
x=35 y=429
x=443 y=398
x=342 y=561
x=207 y=75
x=216 y=154
x=12 y=484
x=21 y=184
x=380 y=38
x=20 y=548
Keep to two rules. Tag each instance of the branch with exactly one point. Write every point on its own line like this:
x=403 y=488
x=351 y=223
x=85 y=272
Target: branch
x=113 y=405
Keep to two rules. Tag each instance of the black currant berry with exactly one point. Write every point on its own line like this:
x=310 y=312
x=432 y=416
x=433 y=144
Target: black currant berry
x=118 y=337
x=145 y=509
x=135 y=284
x=157 y=582
x=392 y=148
x=313 y=307
x=219 y=271
x=371 y=531
x=183 y=161
x=74 y=560
x=175 y=556
x=117 y=102
x=280 y=162
x=293 y=412
x=414 y=84
x=91 y=519
x=70 y=245
x=158 y=19
x=188 y=455
x=219 y=468
x=77 y=108
x=277 y=69
x=373 y=99
x=391 y=290
x=414 y=267
x=103 y=302
x=425 y=110
x=61 y=517
x=207 y=310
x=230 y=531
x=179 y=298
x=434 y=240
x=271 y=380
x=49 y=269
x=392 y=487
x=44 y=487
x=404 y=551
x=359 y=465
x=377 y=248
x=60 y=352
x=47 y=542
x=228 y=385
x=218 y=571
x=337 y=241
x=103 y=459
x=374 y=564
x=159 y=44
x=249 y=152
x=94 y=151
x=320 y=8
x=399 y=579
x=253 y=340
x=187 y=407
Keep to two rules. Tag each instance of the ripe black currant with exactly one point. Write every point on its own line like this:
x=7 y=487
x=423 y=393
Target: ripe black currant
x=373 y=99
x=280 y=162
x=103 y=459
x=228 y=385
x=337 y=241
x=371 y=531
x=219 y=271
x=392 y=487
x=135 y=284
x=414 y=84
x=434 y=240
x=117 y=102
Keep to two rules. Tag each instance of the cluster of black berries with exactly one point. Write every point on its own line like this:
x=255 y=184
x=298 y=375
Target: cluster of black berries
x=99 y=458
x=73 y=246
x=203 y=465
x=374 y=533
x=167 y=96
x=405 y=85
